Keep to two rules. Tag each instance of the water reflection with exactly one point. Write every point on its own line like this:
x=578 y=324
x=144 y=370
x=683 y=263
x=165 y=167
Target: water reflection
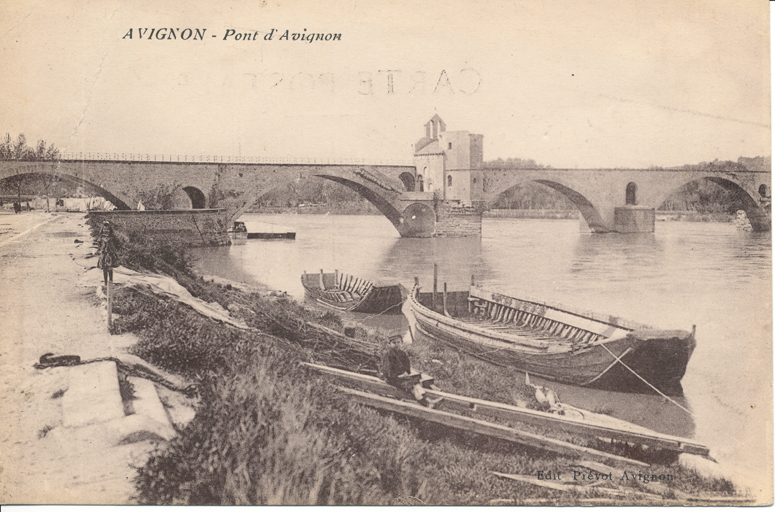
x=595 y=253
x=650 y=411
x=457 y=259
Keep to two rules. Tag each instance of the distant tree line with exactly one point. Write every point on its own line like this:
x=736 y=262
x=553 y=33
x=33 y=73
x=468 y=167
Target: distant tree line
x=19 y=150
x=316 y=191
x=514 y=163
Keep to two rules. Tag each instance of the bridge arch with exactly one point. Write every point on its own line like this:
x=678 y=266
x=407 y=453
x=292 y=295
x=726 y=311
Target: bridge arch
x=382 y=204
x=189 y=198
x=119 y=203
x=407 y=178
x=588 y=211
x=755 y=204
x=385 y=207
x=419 y=219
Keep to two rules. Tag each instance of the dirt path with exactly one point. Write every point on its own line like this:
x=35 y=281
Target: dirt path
x=48 y=304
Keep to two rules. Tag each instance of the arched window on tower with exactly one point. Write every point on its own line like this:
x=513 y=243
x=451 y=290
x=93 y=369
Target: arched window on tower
x=420 y=184
x=631 y=194
x=449 y=180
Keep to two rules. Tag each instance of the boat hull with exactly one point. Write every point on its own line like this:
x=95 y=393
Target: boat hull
x=656 y=359
x=344 y=293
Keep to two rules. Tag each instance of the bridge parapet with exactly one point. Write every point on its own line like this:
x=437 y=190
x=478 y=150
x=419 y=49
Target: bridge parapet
x=229 y=159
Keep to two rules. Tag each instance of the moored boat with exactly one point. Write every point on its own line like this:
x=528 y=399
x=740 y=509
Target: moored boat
x=349 y=293
x=553 y=341
x=238 y=233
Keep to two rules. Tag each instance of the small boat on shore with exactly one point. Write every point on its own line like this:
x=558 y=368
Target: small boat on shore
x=553 y=341
x=348 y=293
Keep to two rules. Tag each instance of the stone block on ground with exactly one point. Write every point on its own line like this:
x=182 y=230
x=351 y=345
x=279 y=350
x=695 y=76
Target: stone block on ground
x=146 y=402
x=92 y=395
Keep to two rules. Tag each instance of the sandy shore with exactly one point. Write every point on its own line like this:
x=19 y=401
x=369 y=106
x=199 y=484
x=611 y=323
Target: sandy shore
x=49 y=304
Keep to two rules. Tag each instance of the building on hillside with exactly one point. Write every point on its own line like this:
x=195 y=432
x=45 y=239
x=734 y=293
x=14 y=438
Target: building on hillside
x=449 y=164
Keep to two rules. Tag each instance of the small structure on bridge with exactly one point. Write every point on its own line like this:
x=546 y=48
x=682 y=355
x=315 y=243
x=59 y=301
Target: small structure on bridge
x=444 y=197
x=449 y=164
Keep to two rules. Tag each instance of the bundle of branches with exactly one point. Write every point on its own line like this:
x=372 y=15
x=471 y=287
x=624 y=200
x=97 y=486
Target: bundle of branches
x=167 y=325
x=319 y=334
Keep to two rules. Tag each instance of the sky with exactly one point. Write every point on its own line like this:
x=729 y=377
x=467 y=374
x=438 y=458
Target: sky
x=601 y=83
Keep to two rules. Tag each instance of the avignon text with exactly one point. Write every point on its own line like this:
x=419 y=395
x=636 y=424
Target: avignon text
x=198 y=34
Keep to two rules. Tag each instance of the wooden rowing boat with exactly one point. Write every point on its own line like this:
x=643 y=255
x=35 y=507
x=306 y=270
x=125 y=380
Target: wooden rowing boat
x=349 y=293
x=583 y=424
x=553 y=341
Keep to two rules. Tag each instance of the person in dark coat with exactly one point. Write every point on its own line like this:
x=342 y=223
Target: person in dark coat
x=397 y=371
x=108 y=257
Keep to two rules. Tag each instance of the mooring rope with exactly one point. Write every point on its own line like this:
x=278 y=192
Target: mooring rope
x=376 y=314
x=647 y=382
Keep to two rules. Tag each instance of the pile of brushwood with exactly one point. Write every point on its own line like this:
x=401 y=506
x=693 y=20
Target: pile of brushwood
x=268 y=431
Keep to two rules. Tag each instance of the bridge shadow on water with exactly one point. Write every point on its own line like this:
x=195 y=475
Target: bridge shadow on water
x=457 y=259
x=596 y=253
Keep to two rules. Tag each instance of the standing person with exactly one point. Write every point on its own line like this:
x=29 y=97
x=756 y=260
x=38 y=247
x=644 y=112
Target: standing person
x=107 y=251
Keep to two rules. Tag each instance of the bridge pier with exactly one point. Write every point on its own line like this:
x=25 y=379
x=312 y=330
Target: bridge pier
x=424 y=217
x=634 y=219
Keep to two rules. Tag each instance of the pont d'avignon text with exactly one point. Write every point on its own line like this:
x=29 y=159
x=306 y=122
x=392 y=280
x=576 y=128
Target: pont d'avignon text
x=591 y=476
x=199 y=34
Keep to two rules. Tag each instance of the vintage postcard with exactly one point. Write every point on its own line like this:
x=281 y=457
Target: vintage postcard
x=382 y=253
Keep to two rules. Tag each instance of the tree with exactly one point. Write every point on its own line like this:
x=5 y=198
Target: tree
x=19 y=150
x=6 y=148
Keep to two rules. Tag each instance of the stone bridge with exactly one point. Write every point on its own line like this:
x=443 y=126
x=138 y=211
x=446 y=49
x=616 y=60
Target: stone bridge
x=233 y=187
x=623 y=200
x=610 y=200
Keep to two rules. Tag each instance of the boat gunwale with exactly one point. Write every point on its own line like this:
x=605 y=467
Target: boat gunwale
x=500 y=337
x=613 y=321
x=362 y=291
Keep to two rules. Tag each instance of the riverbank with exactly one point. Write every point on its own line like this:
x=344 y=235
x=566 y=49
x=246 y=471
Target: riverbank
x=48 y=304
x=398 y=461
x=258 y=409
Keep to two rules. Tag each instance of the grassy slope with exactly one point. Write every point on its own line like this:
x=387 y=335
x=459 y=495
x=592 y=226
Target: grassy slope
x=270 y=432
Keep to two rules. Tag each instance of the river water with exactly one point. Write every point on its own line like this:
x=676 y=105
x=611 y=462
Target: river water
x=706 y=274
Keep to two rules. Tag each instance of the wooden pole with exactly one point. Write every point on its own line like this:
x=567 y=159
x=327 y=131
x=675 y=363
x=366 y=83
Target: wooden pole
x=110 y=304
x=322 y=286
x=444 y=300
x=435 y=284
